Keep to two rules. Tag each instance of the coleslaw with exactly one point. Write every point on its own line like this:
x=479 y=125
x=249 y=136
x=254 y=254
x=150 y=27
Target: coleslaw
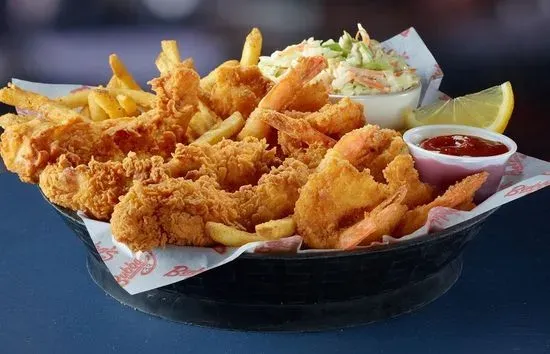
x=356 y=65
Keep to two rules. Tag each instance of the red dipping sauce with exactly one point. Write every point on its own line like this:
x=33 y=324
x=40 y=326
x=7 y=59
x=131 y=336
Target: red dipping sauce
x=464 y=145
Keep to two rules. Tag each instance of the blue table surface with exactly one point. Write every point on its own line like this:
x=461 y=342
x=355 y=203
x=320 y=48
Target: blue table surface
x=49 y=304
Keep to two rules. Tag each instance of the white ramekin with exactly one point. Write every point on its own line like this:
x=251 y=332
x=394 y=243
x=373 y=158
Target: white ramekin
x=386 y=109
x=442 y=170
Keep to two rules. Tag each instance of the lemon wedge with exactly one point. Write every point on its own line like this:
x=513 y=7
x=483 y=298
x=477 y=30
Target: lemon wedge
x=490 y=109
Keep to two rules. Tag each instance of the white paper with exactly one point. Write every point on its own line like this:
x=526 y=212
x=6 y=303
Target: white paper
x=409 y=44
x=149 y=270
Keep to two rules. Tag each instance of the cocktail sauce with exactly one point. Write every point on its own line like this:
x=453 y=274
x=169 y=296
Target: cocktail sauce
x=464 y=145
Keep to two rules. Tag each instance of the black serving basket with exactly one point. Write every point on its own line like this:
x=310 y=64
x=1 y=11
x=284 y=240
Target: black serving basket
x=302 y=292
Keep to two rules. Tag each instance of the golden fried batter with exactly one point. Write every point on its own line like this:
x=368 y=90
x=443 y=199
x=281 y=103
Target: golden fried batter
x=96 y=187
x=234 y=88
x=459 y=195
x=27 y=148
x=176 y=210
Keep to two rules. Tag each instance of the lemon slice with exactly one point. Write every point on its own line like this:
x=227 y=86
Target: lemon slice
x=490 y=109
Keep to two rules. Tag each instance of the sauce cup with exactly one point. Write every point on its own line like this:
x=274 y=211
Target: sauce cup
x=442 y=170
x=386 y=109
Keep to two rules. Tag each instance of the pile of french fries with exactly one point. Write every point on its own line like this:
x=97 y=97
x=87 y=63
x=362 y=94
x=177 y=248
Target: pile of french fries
x=121 y=97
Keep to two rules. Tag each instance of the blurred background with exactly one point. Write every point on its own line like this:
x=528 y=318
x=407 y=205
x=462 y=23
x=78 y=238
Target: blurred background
x=478 y=43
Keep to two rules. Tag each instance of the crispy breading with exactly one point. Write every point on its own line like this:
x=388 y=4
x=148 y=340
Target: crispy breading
x=234 y=88
x=96 y=187
x=460 y=194
x=27 y=148
x=175 y=211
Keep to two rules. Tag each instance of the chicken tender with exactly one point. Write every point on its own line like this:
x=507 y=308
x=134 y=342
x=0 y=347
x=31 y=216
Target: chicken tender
x=29 y=147
x=95 y=188
x=175 y=211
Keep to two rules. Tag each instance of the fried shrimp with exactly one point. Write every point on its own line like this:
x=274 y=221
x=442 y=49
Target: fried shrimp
x=343 y=205
x=460 y=194
x=381 y=221
x=400 y=172
x=338 y=119
x=371 y=147
x=296 y=128
x=311 y=155
x=280 y=97
x=234 y=88
x=334 y=193
x=310 y=98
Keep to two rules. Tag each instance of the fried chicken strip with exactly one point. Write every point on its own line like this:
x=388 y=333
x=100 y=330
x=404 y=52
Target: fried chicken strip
x=176 y=210
x=27 y=148
x=95 y=188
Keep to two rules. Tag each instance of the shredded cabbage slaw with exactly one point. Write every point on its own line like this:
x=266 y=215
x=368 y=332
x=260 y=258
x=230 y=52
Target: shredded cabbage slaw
x=356 y=65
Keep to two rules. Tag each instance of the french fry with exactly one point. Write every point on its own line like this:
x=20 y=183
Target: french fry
x=230 y=236
x=114 y=83
x=252 y=48
x=225 y=129
x=108 y=103
x=9 y=119
x=170 y=48
x=14 y=96
x=276 y=229
x=164 y=65
x=254 y=127
x=96 y=112
x=120 y=71
x=76 y=99
x=142 y=98
x=85 y=112
x=169 y=56
x=204 y=120
x=128 y=104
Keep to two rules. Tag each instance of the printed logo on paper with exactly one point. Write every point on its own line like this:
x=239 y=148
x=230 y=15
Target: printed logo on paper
x=438 y=73
x=514 y=167
x=106 y=253
x=439 y=218
x=526 y=189
x=444 y=97
x=405 y=33
x=289 y=244
x=220 y=249
x=184 y=271
x=136 y=267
